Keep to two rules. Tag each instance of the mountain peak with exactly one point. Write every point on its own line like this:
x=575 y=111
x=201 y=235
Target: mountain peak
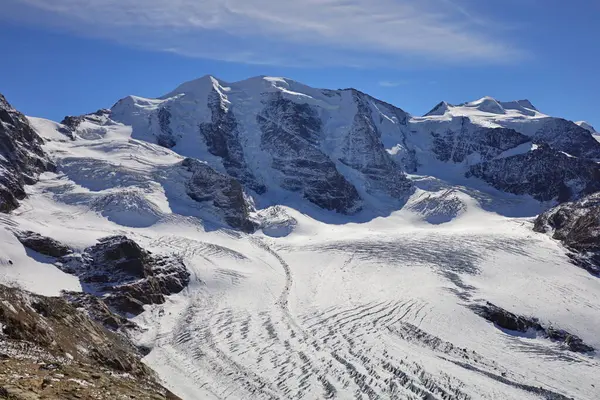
x=486 y=104
x=201 y=86
x=440 y=109
x=527 y=104
x=586 y=126
x=523 y=106
x=195 y=86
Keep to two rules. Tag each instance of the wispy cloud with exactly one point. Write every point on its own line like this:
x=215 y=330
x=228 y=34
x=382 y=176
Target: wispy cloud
x=301 y=32
x=392 y=84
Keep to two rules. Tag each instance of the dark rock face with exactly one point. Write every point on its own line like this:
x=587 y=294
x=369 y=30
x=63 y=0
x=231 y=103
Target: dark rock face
x=222 y=191
x=456 y=146
x=291 y=133
x=577 y=226
x=505 y=319
x=545 y=174
x=569 y=137
x=42 y=244
x=116 y=273
x=21 y=156
x=518 y=323
x=363 y=151
x=439 y=109
x=71 y=123
x=165 y=138
x=97 y=310
x=222 y=139
x=127 y=276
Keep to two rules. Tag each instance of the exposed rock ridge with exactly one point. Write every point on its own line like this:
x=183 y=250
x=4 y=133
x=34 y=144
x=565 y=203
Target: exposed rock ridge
x=545 y=174
x=22 y=158
x=225 y=193
x=517 y=323
x=363 y=151
x=128 y=277
x=456 y=146
x=291 y=133
x=577 y=226
x=222 y=139
x=117 y=269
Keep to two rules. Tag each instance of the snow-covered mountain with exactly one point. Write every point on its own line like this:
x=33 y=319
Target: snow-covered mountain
x=269 y=240
x=273 y=134
x=343 y=150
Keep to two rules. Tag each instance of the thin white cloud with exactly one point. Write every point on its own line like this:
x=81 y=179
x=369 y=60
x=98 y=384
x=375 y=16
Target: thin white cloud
x=393 y=84
x=295 y=32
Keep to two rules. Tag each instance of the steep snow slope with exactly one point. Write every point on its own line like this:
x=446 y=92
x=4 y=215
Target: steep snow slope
x=28 y=270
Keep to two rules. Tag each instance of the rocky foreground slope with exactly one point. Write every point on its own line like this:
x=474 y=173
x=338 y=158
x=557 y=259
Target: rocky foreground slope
x=77 y=346
x=49 y=349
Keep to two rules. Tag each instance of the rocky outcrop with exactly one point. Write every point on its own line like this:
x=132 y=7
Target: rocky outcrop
x=517 y=323
x=363 y=151
x=52 y=350
x=585 y=125
x=71 y=123
x=291 y=134
x=99 y=311
x=545 y=174
x=119 y=271
x=440 y=109
x=577 y=226
x=276 y=222
x=568 y=137
x=21 y=156
x=165 y=138
x=225 y=193
x=42 y=244
x=486 y=143
x=126 y=276
x=222 y=139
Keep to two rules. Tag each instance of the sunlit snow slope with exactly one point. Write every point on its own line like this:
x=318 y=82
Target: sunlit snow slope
x=316 y=304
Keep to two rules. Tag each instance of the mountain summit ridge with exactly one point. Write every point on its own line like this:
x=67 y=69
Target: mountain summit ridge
x=253 y=128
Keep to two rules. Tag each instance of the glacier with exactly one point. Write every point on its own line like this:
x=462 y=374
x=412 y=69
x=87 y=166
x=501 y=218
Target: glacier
x=337 y=246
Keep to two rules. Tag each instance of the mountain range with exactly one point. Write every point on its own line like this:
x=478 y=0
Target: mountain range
x=266 y=239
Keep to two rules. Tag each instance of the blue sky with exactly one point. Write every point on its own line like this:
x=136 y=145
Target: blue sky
x=64 y=57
